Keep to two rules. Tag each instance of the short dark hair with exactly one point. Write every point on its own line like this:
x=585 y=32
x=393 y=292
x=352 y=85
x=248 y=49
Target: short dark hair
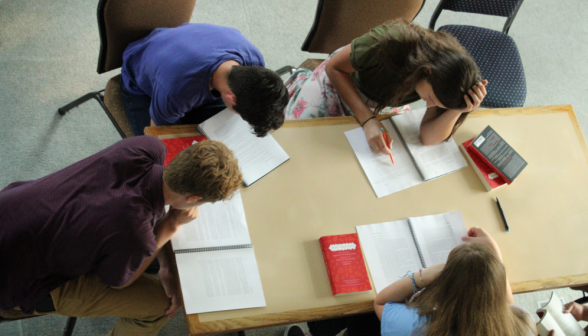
x=261 y=97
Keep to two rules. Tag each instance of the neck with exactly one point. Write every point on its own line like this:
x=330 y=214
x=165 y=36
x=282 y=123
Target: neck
x=220 y=76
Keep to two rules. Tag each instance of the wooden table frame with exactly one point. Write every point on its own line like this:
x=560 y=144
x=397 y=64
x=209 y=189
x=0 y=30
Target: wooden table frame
x=231 y=325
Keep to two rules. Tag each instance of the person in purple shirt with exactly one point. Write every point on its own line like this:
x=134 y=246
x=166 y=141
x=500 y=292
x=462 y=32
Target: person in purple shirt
x=76 y=242
x=186 y=74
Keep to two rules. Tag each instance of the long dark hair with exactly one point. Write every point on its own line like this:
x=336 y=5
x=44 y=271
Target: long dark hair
x=435 y=56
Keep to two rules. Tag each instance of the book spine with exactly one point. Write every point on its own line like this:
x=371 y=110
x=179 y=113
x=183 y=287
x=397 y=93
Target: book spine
x=486 y=161
x=407 y=150
x=216 y=248
x=416 y=243
x=324 y=246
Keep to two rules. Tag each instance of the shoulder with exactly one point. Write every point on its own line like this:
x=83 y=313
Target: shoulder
x=142 y=148
x=399 y=319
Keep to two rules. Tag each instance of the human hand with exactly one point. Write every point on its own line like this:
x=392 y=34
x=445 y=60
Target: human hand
x=577 y=310
x=177 y=217
x=474 y=97
x=479 y=235
x=373 y=133
x=551 y=333
x=169 y=283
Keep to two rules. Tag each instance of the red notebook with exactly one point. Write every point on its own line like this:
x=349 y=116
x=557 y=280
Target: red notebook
x=489 y=178
x=176 y=145
x=345 y=265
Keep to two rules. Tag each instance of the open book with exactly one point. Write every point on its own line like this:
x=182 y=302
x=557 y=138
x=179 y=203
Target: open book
x=415 y=163
x=216 y=262
x=553 y=318
x=257 y=156
x=393 y=249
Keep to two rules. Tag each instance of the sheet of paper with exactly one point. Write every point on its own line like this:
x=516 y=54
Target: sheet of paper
x=547 y=324
x=220 y=280
x=433 y=161
x=437 y=235
x=389 y=250
x=218 y=224
x=384 y=177
x=257 y=156
x=568 y=324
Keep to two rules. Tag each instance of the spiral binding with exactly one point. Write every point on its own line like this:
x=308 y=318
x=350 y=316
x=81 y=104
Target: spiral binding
x=416 y=243
x=216 y=248
x=408 y=150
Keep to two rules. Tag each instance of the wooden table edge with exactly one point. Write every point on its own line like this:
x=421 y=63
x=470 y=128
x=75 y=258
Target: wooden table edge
x=195 y=327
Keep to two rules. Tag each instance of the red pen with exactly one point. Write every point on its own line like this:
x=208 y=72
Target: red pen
x=387 y=144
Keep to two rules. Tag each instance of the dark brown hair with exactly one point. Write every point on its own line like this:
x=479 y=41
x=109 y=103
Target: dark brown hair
x=435 y=56
x=469 y=297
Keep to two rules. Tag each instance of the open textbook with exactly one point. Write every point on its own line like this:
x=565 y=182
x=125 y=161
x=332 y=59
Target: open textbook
x=415 y=163
x=257 y=156
x=553 y=318
x=393 y=249
x=216 y=262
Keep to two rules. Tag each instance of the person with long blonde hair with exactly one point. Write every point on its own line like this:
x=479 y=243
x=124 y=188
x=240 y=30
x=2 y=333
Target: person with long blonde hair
x=468 y=296
x=394 y=64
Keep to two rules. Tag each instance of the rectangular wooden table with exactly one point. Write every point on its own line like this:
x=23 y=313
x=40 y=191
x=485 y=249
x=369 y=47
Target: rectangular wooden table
x=322 y=190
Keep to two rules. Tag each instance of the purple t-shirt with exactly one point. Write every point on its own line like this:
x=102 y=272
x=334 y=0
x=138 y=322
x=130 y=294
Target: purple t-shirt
x=95 y=215
x=173 y=66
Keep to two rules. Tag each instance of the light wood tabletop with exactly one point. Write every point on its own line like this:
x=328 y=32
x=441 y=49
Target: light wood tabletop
x=322 y=190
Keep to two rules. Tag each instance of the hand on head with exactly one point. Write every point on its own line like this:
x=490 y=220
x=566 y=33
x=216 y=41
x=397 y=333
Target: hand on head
x=474 y=96
x=180 y=217
x=480 y=236
x=375 y=138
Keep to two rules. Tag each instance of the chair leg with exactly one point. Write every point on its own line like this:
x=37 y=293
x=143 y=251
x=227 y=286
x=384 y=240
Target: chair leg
x=69 y=327
x=100 y=98
x=285 y=70
x=241 y=333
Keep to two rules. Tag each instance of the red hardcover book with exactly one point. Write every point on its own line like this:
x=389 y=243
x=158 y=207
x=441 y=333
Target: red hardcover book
x=176 y=145
x=345 y=265
x=489 y=178
x=498 y=154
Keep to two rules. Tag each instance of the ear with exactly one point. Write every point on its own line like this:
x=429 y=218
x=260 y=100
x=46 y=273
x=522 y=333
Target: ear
x=193 y=199
x=231 y=98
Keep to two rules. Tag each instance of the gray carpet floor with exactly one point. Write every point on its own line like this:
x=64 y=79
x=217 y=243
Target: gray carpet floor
x=48 y=55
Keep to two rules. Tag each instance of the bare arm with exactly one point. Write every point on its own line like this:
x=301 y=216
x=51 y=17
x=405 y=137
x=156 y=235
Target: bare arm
x=438 y=123
x=339 y=70
x=403 y=289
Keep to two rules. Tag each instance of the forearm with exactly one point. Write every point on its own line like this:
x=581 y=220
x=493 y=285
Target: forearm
x=348 y=93
x=438 y=128
x=165 y=255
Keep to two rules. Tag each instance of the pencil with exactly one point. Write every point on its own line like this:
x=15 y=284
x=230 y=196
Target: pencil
x=387 y=144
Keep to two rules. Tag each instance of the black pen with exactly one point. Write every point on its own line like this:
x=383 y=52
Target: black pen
x=502 y=215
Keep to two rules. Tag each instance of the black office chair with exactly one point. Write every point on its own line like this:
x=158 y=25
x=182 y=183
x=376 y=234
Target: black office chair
x=121 y=22
x=338 y=22
x=495 y=52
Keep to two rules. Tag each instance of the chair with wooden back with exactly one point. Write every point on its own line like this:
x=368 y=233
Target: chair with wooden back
x=120 y=23
x=338 y=22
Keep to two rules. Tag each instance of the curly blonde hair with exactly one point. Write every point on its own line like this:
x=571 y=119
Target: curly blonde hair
x=208 y=169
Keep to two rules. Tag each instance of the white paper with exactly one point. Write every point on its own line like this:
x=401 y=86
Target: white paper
x=389 y=250
x=257 y=156
x=437 y=235
x=554 y=318
x=218 y=224
x=384 y=177
x=220 y=280
x=433 y=161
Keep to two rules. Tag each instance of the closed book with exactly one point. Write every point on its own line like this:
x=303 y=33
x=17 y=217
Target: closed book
x=498 y=154
x=489 y=178
x=345 y=265
x=176 y=145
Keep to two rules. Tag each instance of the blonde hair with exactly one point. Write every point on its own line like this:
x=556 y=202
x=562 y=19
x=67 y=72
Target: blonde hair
x=469 y=297
x=208 y=169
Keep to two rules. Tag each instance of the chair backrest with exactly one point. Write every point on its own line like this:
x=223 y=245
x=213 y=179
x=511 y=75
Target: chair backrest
x=505 y=8
x=338 y=22
x=121 y=22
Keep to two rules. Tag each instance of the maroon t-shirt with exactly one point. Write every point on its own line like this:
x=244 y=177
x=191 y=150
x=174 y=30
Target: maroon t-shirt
x=97 y=214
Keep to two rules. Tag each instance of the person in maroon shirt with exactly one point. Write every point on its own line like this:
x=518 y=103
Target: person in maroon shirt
x=85 y=234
